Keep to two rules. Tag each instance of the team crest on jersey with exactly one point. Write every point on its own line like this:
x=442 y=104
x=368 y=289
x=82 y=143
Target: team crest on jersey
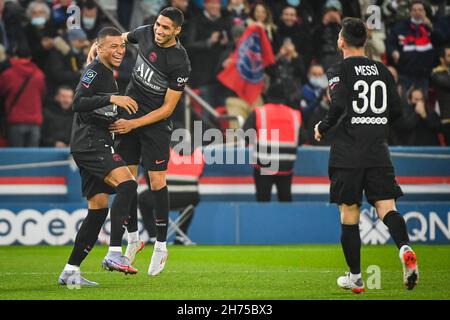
x=333 y=82
x=117 y=157
x=89 y=76
x=153 y=56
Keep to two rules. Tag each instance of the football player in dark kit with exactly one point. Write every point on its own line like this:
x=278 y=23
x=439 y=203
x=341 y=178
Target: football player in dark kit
x=364 y=103
x=102 y=171
x=157 y=83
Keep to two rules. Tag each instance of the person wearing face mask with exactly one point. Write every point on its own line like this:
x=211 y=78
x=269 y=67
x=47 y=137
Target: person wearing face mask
x=39 y=32
x=313 y=91
x=66 y=60
x=316 y=115
x=411 y=47
x=91 y=19
x=419 y=125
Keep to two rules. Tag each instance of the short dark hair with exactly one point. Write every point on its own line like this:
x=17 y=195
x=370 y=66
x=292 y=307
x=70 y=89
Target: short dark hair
x=414 y=2
x=442 y=50
x=108 y=31
x=354 y=32
x=414 y=89
x=174 y=14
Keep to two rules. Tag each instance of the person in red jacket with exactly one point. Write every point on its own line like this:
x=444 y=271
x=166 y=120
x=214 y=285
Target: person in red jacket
x=23 y=87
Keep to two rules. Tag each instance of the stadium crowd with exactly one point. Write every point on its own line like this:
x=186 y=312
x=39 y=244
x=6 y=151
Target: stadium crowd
x=41 y=60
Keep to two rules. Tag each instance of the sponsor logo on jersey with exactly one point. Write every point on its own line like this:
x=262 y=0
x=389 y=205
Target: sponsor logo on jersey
x=89 y=76
x=333 y=82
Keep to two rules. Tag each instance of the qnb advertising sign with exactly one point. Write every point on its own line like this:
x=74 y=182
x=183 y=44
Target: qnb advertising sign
x=425 y=227
x=58 y=226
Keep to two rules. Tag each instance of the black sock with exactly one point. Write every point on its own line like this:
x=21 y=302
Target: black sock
x=145 y=201
x=161 y=203
x=397 y=228
x=87 y=235
x=133 y=221
x=351 y=245
x=120 y=210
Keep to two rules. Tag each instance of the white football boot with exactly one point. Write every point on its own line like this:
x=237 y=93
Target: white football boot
x=134 y=248
x=410 y=270
x=159 y=258
x=346 y=282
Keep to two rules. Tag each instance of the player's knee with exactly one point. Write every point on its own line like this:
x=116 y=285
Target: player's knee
x=128 y=187
x=349 y=214
x=98 y=201
x=157 y=181
x=384 y=206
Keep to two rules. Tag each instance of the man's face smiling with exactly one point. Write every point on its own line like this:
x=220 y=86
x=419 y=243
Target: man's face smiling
x=165 y=31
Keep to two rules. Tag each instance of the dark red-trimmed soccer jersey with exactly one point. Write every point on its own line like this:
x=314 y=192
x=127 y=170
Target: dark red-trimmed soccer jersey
x=156 y=70
x=364 y=102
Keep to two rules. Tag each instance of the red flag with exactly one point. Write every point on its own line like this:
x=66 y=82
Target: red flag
x=245 y=74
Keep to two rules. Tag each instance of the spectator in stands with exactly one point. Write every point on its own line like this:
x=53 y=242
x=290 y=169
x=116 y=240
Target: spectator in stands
x=23 y=87
x=440 y=80
x=375 y=46
x=410 y=46
x=91 y=20
x=12 y=18
x=208 y=36
x=291 y=28
x=40 y=32
x=304 y=9
x=327 y=33
x=66 y=61
x=239 y=11
x=261 y=14
x=60 y=15
x=289 y=72
x=394 y=11
x=274 y=115
x=317 y=115
x=58 y=116
x=419 y=126
x=183 y=5
x=313 y=91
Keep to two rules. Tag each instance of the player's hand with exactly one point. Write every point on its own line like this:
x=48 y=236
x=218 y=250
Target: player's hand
x=122 y=126
x=92 y=53
x=396 y=56
x=420 y=109
x=317 y=134
x=125 y=102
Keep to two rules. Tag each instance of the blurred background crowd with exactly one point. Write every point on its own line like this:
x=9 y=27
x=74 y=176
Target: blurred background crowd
x=41 y=59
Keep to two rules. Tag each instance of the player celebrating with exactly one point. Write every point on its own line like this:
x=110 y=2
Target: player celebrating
x=364 y=102
x=157 y=83
x=102 y=170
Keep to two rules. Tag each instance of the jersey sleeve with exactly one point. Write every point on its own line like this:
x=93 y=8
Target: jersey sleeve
x=179 y=73
x=137 y=34
x=338 y=93
x=394 y=101
x=85 y=99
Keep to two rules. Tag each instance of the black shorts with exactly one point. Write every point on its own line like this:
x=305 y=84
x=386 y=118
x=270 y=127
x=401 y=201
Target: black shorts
x=348 y=184
x=149 y=143
x=94 y=167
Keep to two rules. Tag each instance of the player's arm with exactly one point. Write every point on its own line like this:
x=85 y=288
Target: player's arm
x=170 y=102
x=338 y=93
x=86 y=99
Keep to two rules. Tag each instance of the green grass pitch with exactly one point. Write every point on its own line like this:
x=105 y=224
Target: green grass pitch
x=224 y=272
